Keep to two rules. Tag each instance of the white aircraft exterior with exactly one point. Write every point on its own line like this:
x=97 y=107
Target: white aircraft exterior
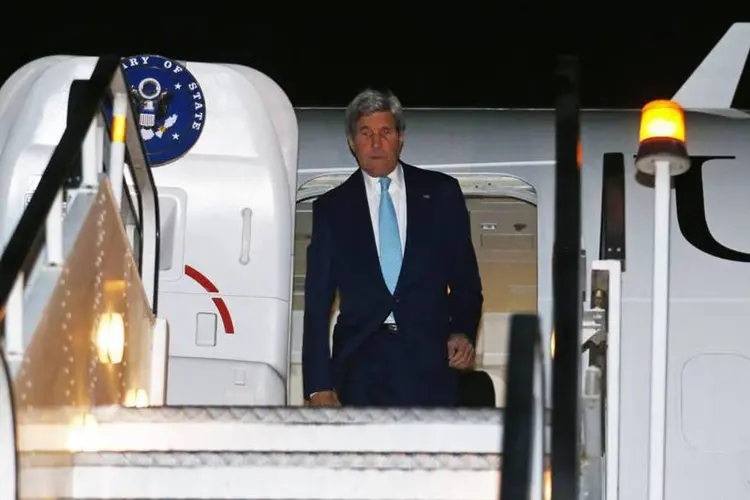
x=235 y=217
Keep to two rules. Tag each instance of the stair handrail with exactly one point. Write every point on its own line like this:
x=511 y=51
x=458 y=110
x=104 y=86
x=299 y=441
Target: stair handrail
x=28 y=238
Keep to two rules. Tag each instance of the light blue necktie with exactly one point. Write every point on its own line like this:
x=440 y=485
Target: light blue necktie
x=390 y=241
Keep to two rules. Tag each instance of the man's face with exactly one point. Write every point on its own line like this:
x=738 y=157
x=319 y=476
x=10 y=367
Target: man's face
x=377 y=143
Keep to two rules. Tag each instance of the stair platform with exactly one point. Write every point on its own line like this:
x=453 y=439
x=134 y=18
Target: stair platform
x=253 y=453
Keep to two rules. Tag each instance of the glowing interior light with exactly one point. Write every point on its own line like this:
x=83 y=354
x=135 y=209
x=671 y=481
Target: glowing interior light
x=136 y=398
x=84 y=433
x=110 y=338
x=662 y=119
x=547 y=493
x=114 y=286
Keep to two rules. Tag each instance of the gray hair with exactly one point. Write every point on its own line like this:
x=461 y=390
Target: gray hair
x=372 y=101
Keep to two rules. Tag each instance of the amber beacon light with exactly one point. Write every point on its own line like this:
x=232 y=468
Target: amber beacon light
x=662 y=120
x=662 y=137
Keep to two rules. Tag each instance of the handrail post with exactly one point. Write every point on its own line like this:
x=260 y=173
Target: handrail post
x=148 y=195
x=612 y=223
x=90 y=155
x=538 y=448
x=523 y=429
x=613 y=271
x=566 y=378
x=53 y=231
x=117 y=145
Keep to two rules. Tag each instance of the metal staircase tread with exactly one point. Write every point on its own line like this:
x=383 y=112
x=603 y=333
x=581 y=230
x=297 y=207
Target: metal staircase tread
x=268 y=415
x=333 y=461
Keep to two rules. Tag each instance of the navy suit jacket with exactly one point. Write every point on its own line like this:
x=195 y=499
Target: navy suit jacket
x=342 y=256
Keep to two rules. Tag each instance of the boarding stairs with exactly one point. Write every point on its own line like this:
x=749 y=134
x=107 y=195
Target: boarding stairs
x=82 y=384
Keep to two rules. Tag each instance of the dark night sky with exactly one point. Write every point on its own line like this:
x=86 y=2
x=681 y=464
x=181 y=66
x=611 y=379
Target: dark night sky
x=439 y=64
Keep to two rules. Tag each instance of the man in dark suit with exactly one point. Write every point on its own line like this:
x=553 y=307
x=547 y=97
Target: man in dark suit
x=395 y=242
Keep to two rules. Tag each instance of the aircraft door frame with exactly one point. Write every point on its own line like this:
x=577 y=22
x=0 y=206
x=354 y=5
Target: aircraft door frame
x=473 y=185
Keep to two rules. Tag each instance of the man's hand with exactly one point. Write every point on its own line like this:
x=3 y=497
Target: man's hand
x=460 y=352
x=325 y=398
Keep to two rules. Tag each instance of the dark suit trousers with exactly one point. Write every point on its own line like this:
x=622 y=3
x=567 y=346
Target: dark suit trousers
x=381 y=373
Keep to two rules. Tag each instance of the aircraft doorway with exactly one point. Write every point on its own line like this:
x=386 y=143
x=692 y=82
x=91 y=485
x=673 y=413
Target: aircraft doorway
x=504 y=233
x=503 y=217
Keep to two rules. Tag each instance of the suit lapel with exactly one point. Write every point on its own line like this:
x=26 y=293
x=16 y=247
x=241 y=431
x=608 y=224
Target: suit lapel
x=415 y=226
x=363 y=238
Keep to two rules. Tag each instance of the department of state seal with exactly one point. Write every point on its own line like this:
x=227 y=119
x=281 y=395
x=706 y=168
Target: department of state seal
x=169 y=103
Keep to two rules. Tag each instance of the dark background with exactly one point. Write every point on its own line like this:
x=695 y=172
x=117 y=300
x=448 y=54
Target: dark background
x=468 y=60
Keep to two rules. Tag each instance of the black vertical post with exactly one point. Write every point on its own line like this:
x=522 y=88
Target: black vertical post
x=519 y=420
x=612 y=224
x=78 y=92
x=566 y=378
